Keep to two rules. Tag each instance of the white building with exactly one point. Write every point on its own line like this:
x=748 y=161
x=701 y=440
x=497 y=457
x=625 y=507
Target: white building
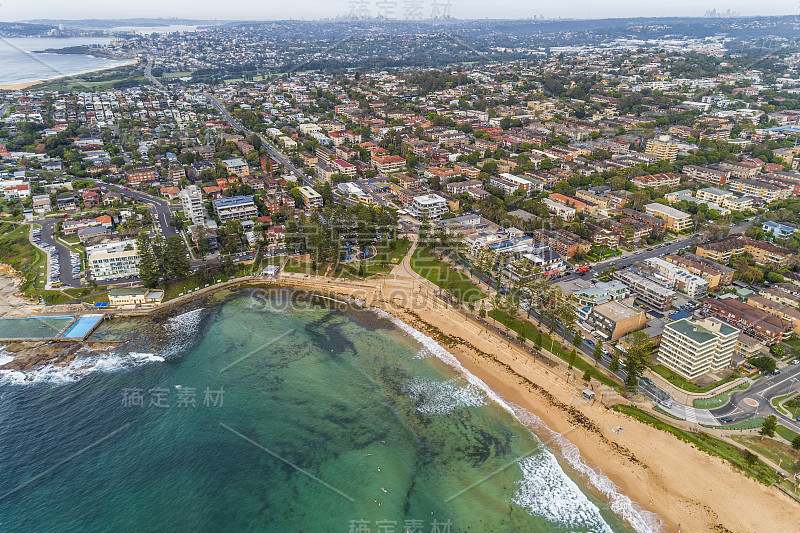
x=192 y=203
x=684 y=281
x=113 y=260
x=428 y=207
x=692 y=348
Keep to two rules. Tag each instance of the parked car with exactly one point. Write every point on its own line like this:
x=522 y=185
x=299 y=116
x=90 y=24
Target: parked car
x=726 y=420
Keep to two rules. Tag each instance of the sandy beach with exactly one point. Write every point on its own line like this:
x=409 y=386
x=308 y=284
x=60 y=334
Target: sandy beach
x=27 y=84
x=687 y=489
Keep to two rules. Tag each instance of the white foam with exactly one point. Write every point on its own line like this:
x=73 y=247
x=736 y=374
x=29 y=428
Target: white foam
x=641 y=520
x=442 y=397
x=146 y=356
x=545 y=490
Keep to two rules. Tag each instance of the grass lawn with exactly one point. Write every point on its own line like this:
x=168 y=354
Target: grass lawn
x=18 y=252
x=753 y=467
x=786 y=433
x=79 y=293
x=102 y=297
x=753 y=423
x=296 y=266
x=49 y=296
x=778 y=452
x=686 y=385
x=718 y=400
x=531 y=332
x=443 y=275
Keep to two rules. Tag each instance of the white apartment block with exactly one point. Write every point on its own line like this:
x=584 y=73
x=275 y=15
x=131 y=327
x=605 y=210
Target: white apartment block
x=693 y=348
x=428 y=207
x=192 y=202
x=113 y=260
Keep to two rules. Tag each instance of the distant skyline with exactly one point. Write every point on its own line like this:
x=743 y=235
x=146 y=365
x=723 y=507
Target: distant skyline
x=17 y=10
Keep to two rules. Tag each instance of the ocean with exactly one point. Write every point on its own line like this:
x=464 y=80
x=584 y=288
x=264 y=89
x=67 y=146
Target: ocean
x=19 y=63
x=278 y=411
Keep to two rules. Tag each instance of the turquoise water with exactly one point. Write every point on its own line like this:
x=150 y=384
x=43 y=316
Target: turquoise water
x=82 y=327
x=327 y=421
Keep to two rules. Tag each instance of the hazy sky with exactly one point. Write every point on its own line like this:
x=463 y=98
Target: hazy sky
x=11 y=10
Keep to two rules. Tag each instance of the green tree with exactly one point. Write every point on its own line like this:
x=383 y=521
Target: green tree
x=769 y=426
x=796 y=442
x=176 y=262
x=572 y=357
x=765 y=363
x=597 y=354
x=577 y=340
x=637 y=358
x=614 y=366
x=587 y=376
x=149 y=270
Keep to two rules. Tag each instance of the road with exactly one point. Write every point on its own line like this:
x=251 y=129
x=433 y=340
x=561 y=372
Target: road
x=655 y=251
x=148 y=73
x=273 y=152
x=159 y=208
x=755 y=400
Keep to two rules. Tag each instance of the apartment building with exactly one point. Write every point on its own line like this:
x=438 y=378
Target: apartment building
x=235 y=208
x=566 y=244
x=759 y=189
x=693 y=286
x=710 y=173
x=657 y=180
x=428 y=207
x=388 y=164
x=141 y=174
x=614 y=320
x=784 y=312
x=663 y=147
x=713 y=194
x=560 y=210
x=192 y=203
x=113 y=260
x=692 y=348
x=754 y=322
x=762 y=252
x=675 y=219
x=713 y=273
x=237 y=167
x=311 y=198
x=647 y=292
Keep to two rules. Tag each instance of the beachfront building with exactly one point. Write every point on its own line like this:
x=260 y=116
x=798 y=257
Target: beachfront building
x=136 y=296
x=613 y=320
x=113 y=260
x=692 y=348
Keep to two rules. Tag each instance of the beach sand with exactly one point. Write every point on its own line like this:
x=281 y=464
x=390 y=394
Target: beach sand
x=690 y=490
x=27 y=84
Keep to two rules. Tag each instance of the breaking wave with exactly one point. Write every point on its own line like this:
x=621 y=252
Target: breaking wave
x=641 y=520
x=442 y=397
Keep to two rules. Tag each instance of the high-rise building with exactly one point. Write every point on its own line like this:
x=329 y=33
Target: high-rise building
x=692 y=348
x=192 y=203
x=662 y=147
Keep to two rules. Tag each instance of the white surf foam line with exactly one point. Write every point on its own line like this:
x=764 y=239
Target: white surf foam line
x=442 y=397
x=642 y=521
x=85 y=363
x=546 y=491
x=184 y=326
